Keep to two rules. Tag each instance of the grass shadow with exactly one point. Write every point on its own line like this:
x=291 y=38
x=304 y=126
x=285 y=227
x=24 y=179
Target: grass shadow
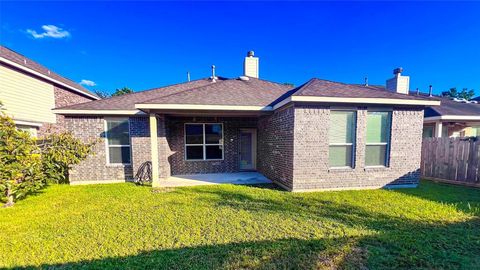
x=465 y=199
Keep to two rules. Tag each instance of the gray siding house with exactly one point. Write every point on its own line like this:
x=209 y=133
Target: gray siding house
x=320 y=135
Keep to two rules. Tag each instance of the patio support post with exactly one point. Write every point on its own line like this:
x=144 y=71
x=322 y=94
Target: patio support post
x=154 y=149
x=438 y=129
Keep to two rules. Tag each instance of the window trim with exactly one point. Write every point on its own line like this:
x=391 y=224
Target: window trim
x=388 y=143
x=107 y=146
x=354 y=139
x=204 y=144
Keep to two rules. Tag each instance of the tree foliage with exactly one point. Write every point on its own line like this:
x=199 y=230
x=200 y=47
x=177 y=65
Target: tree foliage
x=59 y=152
x=101 y=94
x=122 y=91
x=27 y=165
x=20 y=162
x=454 y=93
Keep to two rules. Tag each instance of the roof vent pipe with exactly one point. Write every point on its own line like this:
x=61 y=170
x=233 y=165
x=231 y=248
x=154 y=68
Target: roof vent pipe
x=188 y=76
x=430 y=91
x=214 y=79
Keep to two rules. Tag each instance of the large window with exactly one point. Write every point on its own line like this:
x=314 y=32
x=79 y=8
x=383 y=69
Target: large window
x=118 y=141
x=203 y=141
x=342 y=138
x=378 y=138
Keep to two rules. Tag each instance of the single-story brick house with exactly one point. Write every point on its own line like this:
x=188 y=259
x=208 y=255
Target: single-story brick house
x=320 y=135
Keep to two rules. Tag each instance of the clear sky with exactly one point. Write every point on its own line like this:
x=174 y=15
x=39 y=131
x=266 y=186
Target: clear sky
x=144 y=45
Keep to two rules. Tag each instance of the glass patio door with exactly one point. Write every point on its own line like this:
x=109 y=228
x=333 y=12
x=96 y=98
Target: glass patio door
x=248 y=151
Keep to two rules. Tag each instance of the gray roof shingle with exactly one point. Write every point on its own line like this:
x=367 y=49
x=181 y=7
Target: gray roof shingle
x=450 y=107
x=324 y=88
x=252 y=92
x=237 y=92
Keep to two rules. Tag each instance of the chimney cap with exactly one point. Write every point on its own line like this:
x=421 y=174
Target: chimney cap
x=250 y=53
x=398 y=70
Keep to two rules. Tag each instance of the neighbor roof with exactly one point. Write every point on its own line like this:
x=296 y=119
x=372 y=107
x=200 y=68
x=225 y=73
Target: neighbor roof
x=11 y=57
x=449 y=107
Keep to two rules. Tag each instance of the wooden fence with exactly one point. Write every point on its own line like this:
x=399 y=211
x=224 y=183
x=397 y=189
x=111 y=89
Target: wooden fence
x=454 y=160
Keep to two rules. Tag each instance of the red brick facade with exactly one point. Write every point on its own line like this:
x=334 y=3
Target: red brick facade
x=63 y=97
x=231 y=129
x=275 y=146
x=292 y=149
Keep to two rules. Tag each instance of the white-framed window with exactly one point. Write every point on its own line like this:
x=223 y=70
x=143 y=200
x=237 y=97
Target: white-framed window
x=378 y=138
x=117 y=134
x=203 y=141
x=342 y=139
x=428 y=132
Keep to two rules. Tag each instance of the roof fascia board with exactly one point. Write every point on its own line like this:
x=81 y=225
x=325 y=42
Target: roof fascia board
x=202 y=107
x=386 y=101
x=453 y=118
x=98 y=112
x=38 y=74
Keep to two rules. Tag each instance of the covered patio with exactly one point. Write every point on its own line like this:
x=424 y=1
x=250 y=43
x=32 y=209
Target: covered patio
x=237 y=178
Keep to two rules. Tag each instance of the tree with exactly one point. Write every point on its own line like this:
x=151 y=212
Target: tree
x=122 y=91
x=59 y=152
x=454 y=93
x=20 y=162
x=101 y=94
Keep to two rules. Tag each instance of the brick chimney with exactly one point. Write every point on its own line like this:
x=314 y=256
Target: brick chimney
x=250 y=65
x=399 y=83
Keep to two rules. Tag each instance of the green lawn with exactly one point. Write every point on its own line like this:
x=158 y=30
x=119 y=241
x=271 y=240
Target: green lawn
x=126 y=226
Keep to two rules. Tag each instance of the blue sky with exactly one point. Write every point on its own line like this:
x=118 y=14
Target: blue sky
x=144 y=45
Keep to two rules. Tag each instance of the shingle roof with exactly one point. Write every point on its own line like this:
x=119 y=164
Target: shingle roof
x=237 y=92
x=323 y=88
x=30 y=64
x=128 y=101
x=450 y=107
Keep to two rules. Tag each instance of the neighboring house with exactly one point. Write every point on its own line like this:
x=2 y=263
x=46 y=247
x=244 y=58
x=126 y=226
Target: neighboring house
x=321 y=135
x=452 y=119
x=30 y=91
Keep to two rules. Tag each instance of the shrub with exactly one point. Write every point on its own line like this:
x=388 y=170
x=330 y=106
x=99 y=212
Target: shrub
x=59 y=153
x=20 y=162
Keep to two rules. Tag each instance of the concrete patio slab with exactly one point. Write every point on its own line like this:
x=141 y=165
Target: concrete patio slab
x=239 y=178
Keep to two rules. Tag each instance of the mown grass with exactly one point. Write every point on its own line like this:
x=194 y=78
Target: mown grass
x=126 y=226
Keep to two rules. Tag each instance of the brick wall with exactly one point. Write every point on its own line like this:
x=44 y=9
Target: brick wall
x=275 y=146
x=94 y=168
x=63 y=97
x=311 y=169
x=292 y=148
x=230 y=163
x=140 y=139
